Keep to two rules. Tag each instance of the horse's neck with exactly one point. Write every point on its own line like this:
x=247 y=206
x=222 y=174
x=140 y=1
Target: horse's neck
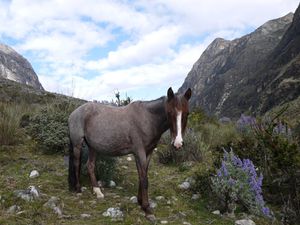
x=158 y=113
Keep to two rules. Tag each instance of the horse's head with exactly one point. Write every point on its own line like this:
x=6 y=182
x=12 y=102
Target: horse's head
x=177 y=108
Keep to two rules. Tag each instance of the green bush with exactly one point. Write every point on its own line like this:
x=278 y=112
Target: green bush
x=194 y=149
x=49 y=127
x=270 y=144
x=10 y=131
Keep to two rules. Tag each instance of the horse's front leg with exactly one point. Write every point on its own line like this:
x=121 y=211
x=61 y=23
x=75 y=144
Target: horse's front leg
x=139 y=197
x=142 y=167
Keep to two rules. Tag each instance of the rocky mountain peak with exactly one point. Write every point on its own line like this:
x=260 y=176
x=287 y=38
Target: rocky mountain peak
x=15 y=67
x=232 y=77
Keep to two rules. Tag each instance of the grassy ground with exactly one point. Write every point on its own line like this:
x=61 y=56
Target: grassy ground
x=17 y=162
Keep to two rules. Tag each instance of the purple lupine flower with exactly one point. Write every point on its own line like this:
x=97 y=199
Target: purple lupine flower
x=231 y=181
x=219 y=173
x=266 y=211
x=224 y=169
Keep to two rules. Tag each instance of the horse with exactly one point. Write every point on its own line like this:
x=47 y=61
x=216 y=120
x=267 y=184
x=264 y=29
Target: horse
x=132 y=129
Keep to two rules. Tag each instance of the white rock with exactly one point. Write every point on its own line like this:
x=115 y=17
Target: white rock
x=186 y=223
x=13 y=209
x=113 y=213
x=34 y=192
x=133 y=199
x=112 y=184
x=216 y=212
x=129 y=158
x=57 y=210
x=83 y=189
x=195 y=196
x=52 y=203
x=85 y=215
x=159 y=198
x=244 y=222
x=152 y=204
x=164 y=222
x=191 y=180
x=34 y=173
x=125 y=167
x=185 y=185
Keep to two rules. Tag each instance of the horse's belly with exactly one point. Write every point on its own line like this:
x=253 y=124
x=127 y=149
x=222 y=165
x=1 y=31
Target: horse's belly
x=110 y=142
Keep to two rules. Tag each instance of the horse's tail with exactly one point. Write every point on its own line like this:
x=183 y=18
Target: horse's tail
x=72 y=172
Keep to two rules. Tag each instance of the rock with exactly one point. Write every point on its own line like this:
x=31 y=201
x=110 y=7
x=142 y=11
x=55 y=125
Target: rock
x=216 y=212
x=125 y=167
x=34 y=173
x=151 y=218
x=83 y=189
x=52 y=203
x=191 y=180
x=100 y=183
x=34 y=192
x=85 y=215
x=174 y=198
x=169 y=202
x=29 y=194
x=13 y=209
x=195 y=196
x=133 y=199
x=185 y=185
x=114 y=213
x=186 y=223
x=15 y=67
x=244 y=222
x=57 y=211
x=129 y=159
x=159 y=198
x=112 y=184
x=164 y=222
x=152 y=204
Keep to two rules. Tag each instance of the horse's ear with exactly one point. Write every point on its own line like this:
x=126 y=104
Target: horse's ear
x=188 y=94
x=170 y=93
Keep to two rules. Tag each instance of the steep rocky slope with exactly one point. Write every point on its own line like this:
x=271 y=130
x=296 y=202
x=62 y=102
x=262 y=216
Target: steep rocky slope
x=15 y=67
x=253 y=73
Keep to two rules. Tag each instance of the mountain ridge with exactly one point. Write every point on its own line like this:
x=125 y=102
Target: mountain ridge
x=14 y=66
x=229 y=78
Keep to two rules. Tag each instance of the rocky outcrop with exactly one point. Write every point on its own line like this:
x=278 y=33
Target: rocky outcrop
x=15 y=67
x=250 y=74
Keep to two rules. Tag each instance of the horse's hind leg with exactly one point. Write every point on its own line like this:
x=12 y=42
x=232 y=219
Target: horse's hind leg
x=91 y=169
x=77 y=164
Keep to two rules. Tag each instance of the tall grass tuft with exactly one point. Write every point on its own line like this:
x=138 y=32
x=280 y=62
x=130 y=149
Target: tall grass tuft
x=10 y=131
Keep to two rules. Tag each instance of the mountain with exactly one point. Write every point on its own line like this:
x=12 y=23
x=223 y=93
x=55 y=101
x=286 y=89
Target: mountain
x=253 y=73
x=15 y=67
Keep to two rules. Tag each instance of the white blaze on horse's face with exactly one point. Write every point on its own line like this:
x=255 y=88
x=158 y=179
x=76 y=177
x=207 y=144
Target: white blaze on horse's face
x=178 y=139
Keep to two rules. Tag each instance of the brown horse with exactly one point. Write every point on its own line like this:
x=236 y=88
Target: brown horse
x=116 y=131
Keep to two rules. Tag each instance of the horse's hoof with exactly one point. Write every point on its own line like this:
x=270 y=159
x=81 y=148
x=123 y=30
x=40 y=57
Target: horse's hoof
x=98 y=192
x=151 y=218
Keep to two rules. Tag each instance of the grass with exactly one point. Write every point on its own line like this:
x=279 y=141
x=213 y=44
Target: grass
x=17 y=162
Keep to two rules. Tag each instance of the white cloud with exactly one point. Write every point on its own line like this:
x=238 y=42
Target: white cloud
x=92 y=47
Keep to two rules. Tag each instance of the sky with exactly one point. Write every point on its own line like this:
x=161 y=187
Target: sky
x=92 y=49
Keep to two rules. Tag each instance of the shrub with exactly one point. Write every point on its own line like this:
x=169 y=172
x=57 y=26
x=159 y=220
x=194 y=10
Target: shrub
x=49 y=127
x=104 y=168
x=194 y=149
x=237 y=182
x=10 y=132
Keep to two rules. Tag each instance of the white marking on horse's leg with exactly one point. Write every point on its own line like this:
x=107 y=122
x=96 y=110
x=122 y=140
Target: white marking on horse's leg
x=98 y=192
x=178 y=139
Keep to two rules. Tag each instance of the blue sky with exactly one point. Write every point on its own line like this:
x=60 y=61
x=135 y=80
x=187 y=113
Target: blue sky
x=92 y=48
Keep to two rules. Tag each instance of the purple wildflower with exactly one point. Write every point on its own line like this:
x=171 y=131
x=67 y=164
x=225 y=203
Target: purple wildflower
x=224 y=169
x=266 y=211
